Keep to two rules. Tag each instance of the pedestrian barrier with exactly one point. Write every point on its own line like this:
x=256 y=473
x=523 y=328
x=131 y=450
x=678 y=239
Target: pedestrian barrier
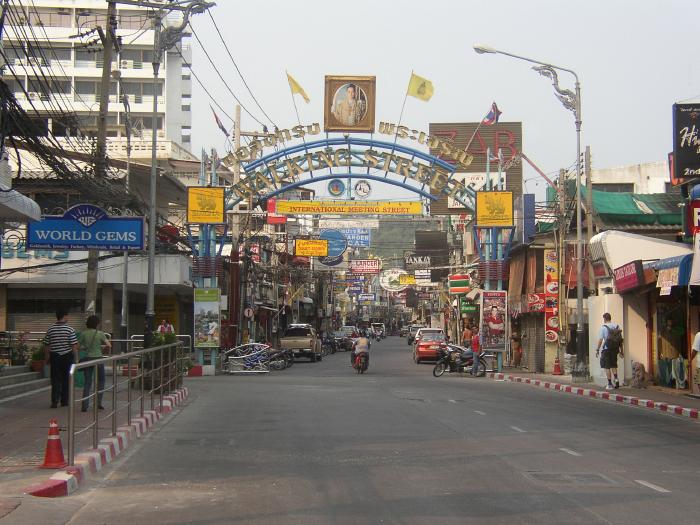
x=155 y=372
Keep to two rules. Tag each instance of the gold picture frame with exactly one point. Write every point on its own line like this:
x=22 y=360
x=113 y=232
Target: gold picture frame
x=341 y=115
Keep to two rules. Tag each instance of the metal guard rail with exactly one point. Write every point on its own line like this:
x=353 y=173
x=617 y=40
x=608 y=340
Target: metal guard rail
x=168 y=369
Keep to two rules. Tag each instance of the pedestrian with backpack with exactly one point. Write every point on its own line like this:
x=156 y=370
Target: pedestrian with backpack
x=609 y=346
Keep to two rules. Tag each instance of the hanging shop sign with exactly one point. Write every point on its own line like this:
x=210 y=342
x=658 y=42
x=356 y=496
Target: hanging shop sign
x=366 y=298
x=358 y=237
x=86 y=227
x=207 y=317
x=407 y=279
x=494 y=310
x=629 y=276
x=336 y=188
x=343 y=224
x=494 y=208
x=412 y=261
x=362 y=189
x=390 y=280
x=287 y=207
x=311 y=248
x=686 y=140
x=337 y=244
x=272 y=217
x=667 y=279
x=365 y=266
x=459 y=283
x=423 y=277
x=465 y=307
x=206 y=205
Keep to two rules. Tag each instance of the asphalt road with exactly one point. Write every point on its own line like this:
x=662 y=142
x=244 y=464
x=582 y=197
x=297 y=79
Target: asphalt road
x=318 y=444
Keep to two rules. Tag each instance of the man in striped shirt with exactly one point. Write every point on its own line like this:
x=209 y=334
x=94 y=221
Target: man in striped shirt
x=61 y=350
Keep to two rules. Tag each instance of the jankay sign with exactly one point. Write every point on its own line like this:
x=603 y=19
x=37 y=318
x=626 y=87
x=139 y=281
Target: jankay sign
x=85 y=227
x=285 y=170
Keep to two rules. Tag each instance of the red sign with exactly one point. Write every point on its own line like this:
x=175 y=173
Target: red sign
x=535 y=302
x=272 y=217
x=365 y=266
x=629 y=276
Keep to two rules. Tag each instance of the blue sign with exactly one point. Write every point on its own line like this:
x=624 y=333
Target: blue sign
x=336 y=187
x=366 y=297
x=355 y=290
x=337 y=244
x=86 y=227
x=357 y=237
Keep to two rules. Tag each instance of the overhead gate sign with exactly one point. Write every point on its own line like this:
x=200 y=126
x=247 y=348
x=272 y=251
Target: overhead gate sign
x=86 y=227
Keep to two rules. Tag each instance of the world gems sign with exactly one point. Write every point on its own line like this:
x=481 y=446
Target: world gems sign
x=86 y=227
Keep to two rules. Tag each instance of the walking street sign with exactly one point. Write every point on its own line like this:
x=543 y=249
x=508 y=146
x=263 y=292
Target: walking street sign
x=86 y=227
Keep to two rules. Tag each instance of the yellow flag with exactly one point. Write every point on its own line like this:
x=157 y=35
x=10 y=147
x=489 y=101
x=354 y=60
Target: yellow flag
x=420 y=87
x=296 y=88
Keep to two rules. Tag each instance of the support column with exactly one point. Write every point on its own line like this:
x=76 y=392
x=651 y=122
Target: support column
x=108 y=324
x=3 y=307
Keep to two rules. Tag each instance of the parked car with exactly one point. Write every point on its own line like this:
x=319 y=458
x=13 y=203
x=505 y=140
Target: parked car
x=428 y=342
x=343 y=341
x=303 y=341
x=403 y=331
x=412 y=330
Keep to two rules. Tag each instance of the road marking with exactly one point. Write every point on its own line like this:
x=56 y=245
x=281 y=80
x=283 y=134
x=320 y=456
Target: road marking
x=518 y=429
x=480 y=412
x=569 y=451
x=452 y=400
x=652 y=486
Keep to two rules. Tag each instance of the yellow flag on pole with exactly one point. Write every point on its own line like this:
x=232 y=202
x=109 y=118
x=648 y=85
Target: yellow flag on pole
x=420 y=87
x=296 y=88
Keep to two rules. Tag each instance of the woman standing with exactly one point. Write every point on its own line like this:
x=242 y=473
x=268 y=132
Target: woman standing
x=93 y=341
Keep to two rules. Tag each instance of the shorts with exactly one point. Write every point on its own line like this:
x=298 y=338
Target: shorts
x=608 y=359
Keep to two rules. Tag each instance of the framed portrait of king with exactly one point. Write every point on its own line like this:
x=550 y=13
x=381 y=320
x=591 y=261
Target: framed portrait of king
x=349 y=104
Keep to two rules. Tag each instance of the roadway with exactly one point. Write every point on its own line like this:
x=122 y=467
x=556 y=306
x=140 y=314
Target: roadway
x=319 y=444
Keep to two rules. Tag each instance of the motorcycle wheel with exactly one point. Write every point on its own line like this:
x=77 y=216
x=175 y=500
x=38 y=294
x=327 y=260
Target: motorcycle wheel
x=439 y=369
x=278 y=363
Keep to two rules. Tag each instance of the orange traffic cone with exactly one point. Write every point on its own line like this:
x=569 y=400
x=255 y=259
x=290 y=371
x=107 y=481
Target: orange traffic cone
x=557 y=367
x=53 y=458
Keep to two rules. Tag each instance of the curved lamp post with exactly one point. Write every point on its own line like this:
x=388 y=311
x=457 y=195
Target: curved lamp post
x=571 y=101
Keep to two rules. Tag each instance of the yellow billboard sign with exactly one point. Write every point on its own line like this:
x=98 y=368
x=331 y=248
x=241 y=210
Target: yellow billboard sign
x=407 y=279
x=286 y=207
x=311 y=247
x=205 y=205
x=494 y=208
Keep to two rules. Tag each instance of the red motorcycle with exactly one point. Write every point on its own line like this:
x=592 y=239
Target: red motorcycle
x=361 y=363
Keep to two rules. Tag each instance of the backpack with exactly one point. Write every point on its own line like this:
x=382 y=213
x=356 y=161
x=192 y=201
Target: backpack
x=613 y=341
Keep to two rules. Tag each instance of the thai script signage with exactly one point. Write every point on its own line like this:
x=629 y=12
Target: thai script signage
x=343 y=224
x=686 y=140
x=311 y=248
x=349 y=207
x=205 y=205
x=86 y=227
x=494 y=209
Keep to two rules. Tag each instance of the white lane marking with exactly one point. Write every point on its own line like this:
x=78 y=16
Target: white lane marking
x=652 y=486
x=480 y=412
x=569 y=451
x=452 y=400
x=518 y=429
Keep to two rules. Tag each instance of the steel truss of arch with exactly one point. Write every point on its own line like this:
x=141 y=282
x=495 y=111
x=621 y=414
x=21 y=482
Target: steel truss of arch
x=356 y=146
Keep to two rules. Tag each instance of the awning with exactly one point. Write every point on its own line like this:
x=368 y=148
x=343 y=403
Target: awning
x=15 y=207
x=673 y=271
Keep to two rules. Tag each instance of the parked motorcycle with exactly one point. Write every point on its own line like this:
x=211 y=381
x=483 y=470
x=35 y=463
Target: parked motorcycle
x=454 y=358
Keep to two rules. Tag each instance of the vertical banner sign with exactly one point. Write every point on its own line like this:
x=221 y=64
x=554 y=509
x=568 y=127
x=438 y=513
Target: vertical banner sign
x=686 y=140
x=494 y=313
x=551 y=296
x=207 y=317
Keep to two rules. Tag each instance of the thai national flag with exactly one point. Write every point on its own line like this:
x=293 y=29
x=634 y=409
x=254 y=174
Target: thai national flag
x=492 y=116
x=219 y=123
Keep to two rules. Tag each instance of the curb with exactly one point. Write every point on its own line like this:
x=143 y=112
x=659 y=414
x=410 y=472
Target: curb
x=88 y=463
x=690 y=413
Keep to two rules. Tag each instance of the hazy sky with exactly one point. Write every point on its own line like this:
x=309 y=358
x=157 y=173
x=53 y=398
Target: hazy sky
x=635 y=58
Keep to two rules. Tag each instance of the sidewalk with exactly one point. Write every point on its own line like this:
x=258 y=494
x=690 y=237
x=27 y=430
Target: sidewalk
x=658 y=395
x=24 y=426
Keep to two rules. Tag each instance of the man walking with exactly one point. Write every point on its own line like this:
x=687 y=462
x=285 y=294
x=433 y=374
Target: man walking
x=609 y=345
x=61 y=350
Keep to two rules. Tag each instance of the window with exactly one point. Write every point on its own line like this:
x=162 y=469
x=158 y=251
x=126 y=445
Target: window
x=133 y=20
x=615 y=187
x=49 y=17
x=186 y=76
x=186 y=108
x=186 y=139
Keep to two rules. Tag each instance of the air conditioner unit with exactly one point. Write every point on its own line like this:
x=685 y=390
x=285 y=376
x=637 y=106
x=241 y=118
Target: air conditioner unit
x=33 y=95
x=127 y=64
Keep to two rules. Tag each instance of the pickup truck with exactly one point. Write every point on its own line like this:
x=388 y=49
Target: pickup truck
x=303 y=341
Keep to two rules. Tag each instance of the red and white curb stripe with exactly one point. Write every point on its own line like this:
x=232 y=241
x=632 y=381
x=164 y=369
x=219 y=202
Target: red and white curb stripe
x=677 y=410
x=88 y=463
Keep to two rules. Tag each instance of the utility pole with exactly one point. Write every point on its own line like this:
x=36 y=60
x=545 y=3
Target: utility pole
x=561 y=252
x=124 y=326
x=589 y=208
x=108 y=38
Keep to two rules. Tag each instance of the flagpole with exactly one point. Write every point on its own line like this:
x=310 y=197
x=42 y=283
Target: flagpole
x=296 y=110
x=474 y=134
x=396 y=135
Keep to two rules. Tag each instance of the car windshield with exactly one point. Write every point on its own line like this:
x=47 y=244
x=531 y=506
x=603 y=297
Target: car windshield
x=432 y=336
x=348 y=330
x=297 y=331
x=414 y=329
x=377 y=326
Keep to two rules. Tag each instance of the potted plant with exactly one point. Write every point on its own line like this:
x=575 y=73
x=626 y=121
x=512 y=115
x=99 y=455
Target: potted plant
x=37 y=360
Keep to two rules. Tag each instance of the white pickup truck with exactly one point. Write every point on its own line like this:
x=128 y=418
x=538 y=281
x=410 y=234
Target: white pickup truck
x=303 y=341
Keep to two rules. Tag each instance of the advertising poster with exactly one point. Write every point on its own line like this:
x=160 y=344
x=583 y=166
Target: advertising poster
x=551 y=296
x=493 y=320
x=207 y=317
x=494 y=208
x=205 y=205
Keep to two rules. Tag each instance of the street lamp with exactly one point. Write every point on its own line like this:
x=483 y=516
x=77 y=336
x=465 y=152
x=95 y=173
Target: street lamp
x=571 y=101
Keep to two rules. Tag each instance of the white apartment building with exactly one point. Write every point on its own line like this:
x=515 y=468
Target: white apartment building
x=650 y=177
x=56 y=40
